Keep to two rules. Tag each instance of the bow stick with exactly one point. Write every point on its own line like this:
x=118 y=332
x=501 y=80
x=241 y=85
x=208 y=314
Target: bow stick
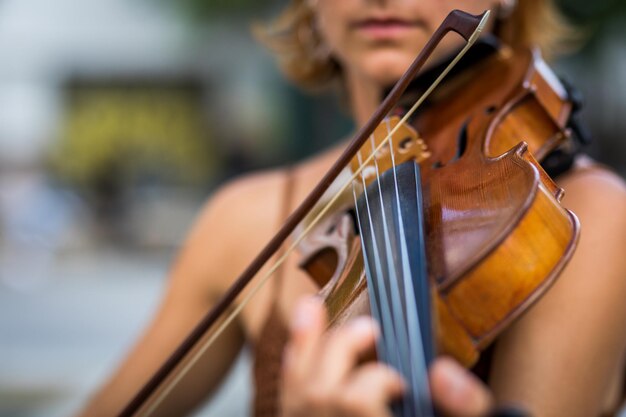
x=469 y=28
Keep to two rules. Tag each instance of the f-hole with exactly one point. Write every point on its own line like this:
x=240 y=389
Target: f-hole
x=322 y=266
x=461 y=142
x=461 y=146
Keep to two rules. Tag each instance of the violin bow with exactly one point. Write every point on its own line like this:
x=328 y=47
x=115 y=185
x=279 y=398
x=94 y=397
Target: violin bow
x=469 y=27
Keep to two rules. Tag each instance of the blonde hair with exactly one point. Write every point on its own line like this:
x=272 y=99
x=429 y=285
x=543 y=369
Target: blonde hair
x=300 y=55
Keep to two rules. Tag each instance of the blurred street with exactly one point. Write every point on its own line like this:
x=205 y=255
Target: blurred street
x=61 y=338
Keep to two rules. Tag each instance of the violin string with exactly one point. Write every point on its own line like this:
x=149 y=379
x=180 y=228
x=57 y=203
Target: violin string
x=386 y=322
x=375 y=297
x=381 y=350
x=419 y=376
x=385 y=350
x=395 y=282
x=390 y=283
x=391 y=320
x=246 y=299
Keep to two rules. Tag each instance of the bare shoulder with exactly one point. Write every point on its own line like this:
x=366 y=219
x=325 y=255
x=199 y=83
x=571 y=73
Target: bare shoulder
x=593 y=191
x=597 y=196
x=254 y=204
x=536 y=354
x=589 y=178
x=237 y=220
x=242 y=203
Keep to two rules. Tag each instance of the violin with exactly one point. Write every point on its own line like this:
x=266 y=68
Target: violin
x=454 y=229
x=496 y=236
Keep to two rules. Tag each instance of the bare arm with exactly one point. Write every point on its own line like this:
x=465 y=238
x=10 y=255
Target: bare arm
x=213 y=254
x=561 y=357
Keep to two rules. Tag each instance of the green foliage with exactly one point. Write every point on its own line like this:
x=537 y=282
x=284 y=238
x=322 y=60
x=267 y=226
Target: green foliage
x=595 y=12
x=594 y=19
x=202 y=9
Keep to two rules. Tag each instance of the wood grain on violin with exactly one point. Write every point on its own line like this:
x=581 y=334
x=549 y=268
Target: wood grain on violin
x=497 y=236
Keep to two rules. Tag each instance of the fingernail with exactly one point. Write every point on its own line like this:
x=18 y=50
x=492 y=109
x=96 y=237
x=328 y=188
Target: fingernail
x=461 y=387
x=306 y=313
x=456 y=379
x=364 y=326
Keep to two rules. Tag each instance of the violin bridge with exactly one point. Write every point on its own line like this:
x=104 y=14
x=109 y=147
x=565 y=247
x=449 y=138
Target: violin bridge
x=403 y=145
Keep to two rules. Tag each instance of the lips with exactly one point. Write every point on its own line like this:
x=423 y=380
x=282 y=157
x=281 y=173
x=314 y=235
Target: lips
x=385 y=28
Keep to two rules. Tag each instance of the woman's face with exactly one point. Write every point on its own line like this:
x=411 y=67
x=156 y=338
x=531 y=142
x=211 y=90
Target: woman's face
x=378 y=39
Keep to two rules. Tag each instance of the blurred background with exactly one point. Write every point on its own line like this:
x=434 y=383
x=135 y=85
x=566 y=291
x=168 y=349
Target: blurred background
x=117 y=120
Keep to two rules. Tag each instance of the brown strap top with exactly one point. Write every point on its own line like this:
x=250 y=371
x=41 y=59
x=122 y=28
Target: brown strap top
x=268 y=350
x=268 y=354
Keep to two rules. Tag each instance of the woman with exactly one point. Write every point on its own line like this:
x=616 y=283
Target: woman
x=558 y=360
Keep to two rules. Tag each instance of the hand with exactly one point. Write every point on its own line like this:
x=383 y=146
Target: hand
x=322 y=375
x=457 y=392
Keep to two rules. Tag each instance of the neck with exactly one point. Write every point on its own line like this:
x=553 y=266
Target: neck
x=365 y=96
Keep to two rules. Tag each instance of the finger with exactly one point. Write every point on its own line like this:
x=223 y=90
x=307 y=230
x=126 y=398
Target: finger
x=343 y=348
x=458 y=392
x=370 y=389
x=307 y=328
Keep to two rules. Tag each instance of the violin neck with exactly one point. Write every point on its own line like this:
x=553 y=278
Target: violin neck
x=391 y=221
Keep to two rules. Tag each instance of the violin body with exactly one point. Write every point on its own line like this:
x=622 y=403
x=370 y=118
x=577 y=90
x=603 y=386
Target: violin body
x=496 y=234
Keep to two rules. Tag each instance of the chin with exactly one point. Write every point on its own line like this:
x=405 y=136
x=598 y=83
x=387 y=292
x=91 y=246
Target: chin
x=385 y=68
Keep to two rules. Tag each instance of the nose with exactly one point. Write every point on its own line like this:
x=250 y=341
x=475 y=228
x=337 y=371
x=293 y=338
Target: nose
x=378 y=2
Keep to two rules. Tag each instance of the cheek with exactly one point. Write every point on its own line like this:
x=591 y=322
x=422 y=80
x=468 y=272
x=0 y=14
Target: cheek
x=384 y=66
x=333 y=27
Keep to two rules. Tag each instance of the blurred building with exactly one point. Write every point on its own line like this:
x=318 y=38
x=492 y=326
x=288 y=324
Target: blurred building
x=96 y=98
